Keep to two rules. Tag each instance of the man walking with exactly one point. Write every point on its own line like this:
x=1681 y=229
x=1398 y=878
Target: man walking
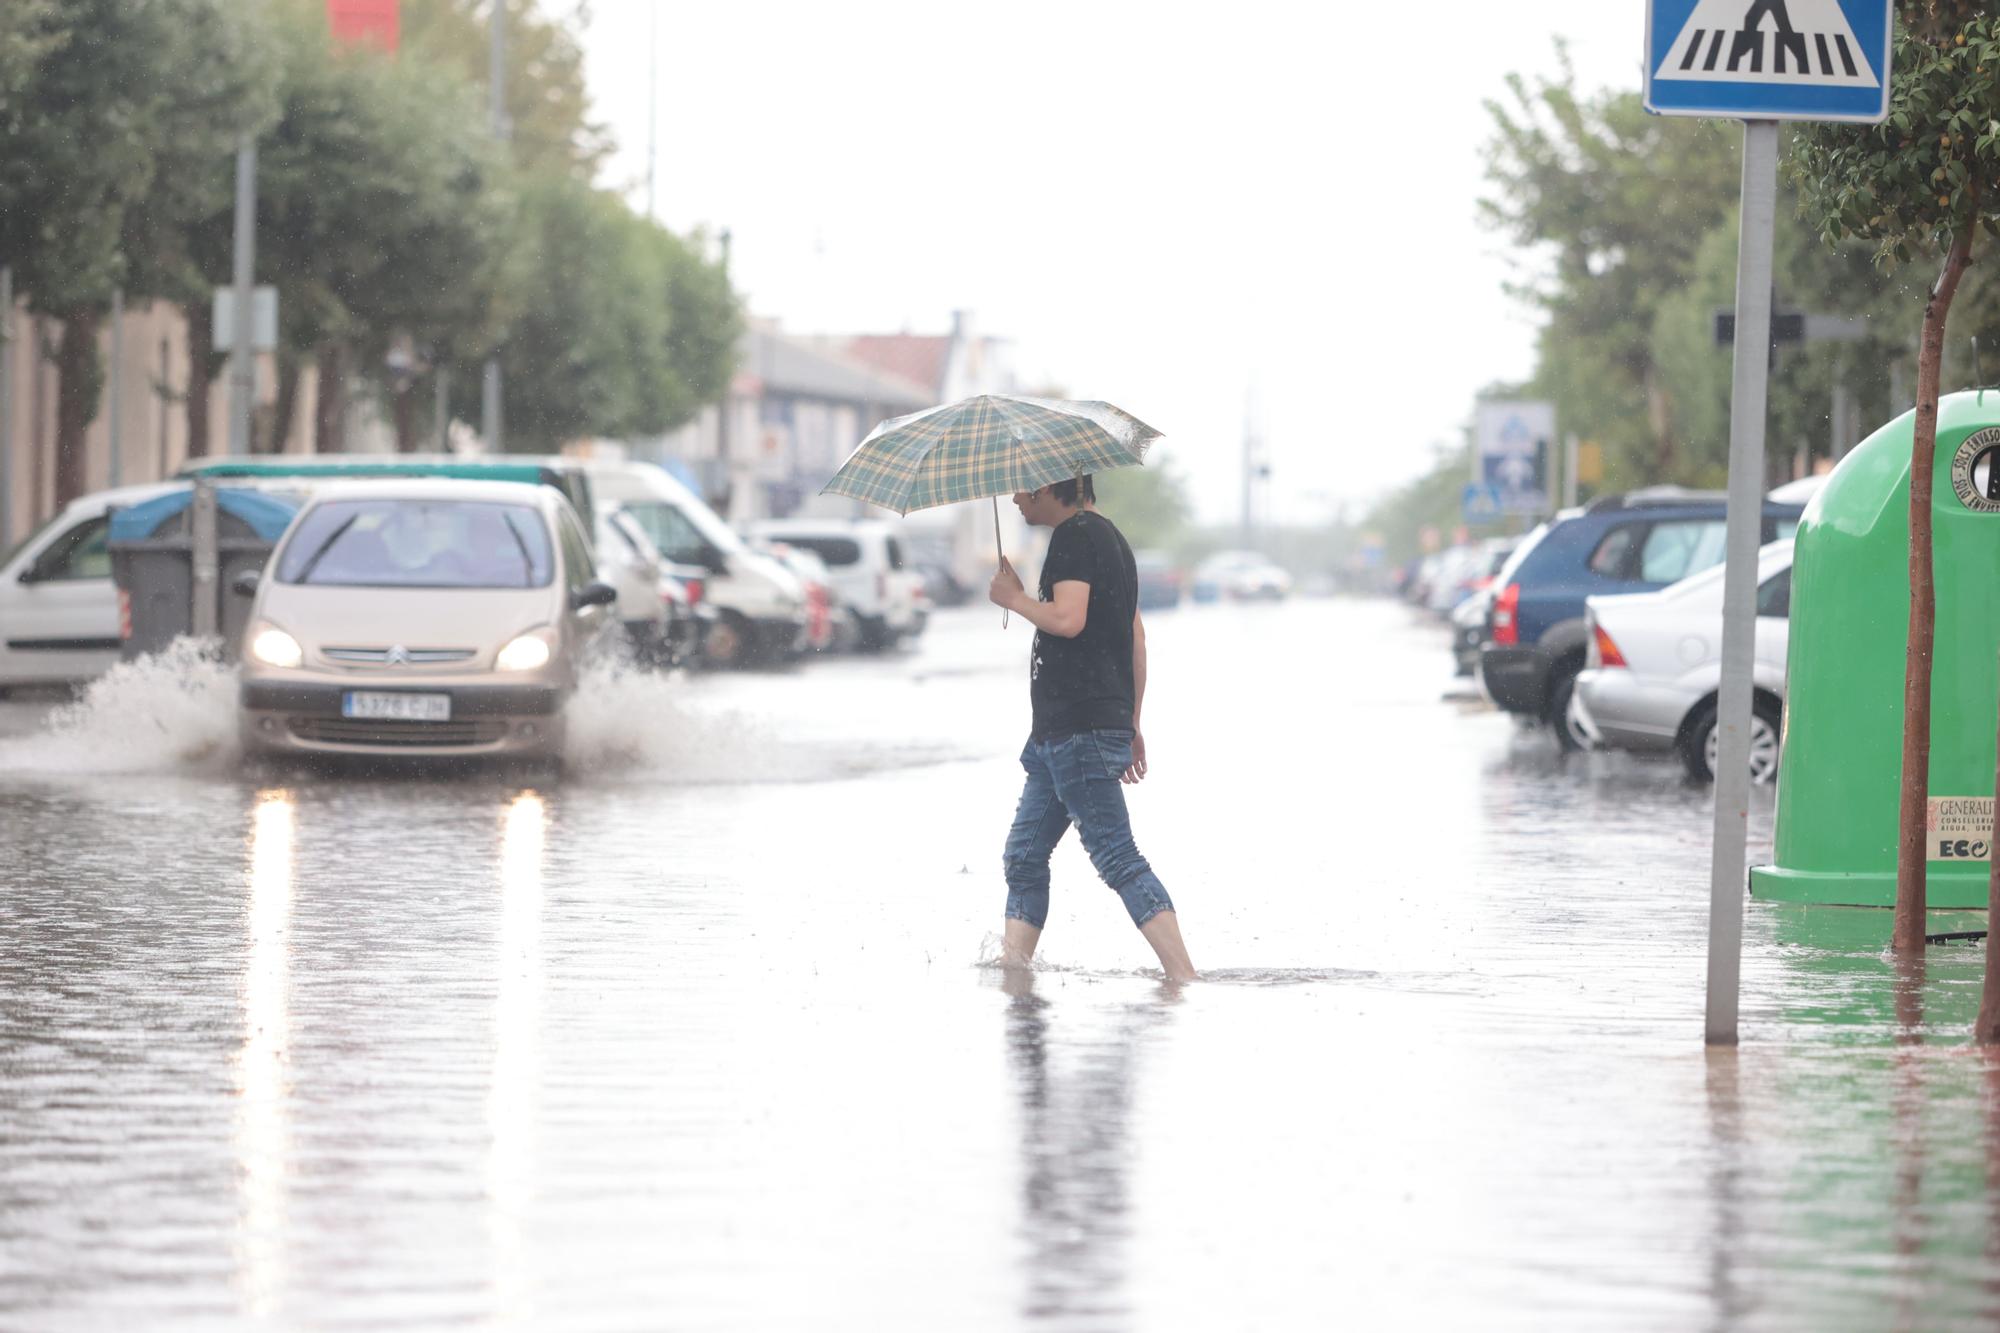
x=1087 y=680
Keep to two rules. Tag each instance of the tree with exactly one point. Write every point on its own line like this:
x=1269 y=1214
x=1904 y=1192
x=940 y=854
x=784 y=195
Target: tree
x=1150 y=503
x=1611 y=205
x=1918 y=183
x=126 y=107
x=383 y=218
x=619 y=327
x=547 y=98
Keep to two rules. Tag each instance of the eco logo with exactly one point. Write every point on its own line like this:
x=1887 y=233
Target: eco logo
x=1975 y=471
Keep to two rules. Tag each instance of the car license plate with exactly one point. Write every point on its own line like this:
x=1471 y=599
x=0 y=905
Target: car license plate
x=383 y=706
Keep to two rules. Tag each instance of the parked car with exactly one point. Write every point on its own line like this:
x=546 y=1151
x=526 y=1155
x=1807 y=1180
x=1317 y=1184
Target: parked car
x=1536 y=635
x=629 y=562
x=421 y=617
x=1468 y=617
x=828 y=626
x=660 y=604
x=62 y=620
x=1241 y=576
x=884 y=596
x=58 y=608
x=1160 y=581
x=1655 y=662
x=760 y=606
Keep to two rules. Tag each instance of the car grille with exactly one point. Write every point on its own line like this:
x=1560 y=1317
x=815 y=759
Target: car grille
x=357 y=731
x=389 y=656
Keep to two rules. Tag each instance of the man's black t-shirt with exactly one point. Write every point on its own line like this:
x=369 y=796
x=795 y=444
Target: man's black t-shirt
x=1085 y=683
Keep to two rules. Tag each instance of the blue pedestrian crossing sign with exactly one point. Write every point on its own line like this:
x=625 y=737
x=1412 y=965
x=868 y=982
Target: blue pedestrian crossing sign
x=1480 y=503
x=1769 y=59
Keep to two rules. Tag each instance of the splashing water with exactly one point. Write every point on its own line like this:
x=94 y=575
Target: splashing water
x=624 y=719
x=172 y=710
x=175 y=711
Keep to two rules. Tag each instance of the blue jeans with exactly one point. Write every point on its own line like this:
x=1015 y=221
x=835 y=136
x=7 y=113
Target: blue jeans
x=1074 y=780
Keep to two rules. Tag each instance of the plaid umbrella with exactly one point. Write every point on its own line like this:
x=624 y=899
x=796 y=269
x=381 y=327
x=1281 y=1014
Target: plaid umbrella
x=991 y=445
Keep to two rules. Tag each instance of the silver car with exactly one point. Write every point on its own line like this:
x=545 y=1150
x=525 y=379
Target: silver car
x=421 y=617
x=1655 y=663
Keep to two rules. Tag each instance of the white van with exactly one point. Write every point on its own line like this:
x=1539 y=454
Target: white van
x=866 y=559
x=762 y=605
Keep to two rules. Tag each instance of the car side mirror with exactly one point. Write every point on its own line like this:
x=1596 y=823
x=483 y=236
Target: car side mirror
x=245 y=583
x=594 y=593
x=714 y=561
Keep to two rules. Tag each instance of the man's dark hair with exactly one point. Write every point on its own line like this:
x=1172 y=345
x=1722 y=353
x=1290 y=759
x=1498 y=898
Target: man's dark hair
x=1077 y=491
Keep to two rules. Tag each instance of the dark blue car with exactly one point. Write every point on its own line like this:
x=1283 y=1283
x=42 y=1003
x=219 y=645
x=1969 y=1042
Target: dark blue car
x=1535 y=631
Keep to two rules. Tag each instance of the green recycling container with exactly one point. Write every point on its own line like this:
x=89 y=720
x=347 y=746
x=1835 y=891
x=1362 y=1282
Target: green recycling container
x=1840 y=775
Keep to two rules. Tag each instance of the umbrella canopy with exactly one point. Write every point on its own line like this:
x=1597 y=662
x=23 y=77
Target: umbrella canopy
x=991 y=445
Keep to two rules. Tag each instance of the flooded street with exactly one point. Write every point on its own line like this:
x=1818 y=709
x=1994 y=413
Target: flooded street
x=704 y=1035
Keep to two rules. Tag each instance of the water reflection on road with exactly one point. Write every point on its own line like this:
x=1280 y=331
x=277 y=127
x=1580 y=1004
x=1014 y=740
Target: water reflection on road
x=702 y=1034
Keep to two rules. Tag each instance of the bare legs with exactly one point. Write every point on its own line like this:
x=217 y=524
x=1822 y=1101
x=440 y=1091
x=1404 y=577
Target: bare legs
x=1163 y=932
x=1017 y=947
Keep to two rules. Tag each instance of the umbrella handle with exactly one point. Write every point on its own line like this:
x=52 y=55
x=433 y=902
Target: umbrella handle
x=999 y=553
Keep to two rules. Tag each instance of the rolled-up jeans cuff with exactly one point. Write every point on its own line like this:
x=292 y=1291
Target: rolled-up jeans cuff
x=1145 y=897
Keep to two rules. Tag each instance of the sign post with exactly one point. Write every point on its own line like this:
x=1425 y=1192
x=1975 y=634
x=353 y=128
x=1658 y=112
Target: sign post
x=1758 y=61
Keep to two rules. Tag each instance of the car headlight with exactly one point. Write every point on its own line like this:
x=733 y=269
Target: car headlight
x=526 y=652
x=273 y=647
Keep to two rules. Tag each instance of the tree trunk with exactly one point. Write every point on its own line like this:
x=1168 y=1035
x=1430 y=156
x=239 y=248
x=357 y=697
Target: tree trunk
x=79 y=385
x=201 y=359
x=330 y=410
x=286 y=406
x=1911 y=840
x=1986 y=1031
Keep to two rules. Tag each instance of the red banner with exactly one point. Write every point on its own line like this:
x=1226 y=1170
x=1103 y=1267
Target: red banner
x=377 y=22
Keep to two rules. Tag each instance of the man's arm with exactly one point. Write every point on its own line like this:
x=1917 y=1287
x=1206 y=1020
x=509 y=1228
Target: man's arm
x=1138 y=769
x=1063 y=615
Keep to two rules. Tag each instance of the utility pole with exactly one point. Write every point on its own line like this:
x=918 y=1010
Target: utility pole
x=490 y=425
x=652 y=99
x=6 y=407
x=1249 y=465
x=723 y=410
x=114 y=425
x=242 y=357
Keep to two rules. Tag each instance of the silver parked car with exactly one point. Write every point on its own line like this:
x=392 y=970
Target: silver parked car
x=1655 y=663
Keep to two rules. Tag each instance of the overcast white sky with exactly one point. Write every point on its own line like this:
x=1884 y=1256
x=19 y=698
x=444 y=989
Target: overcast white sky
x=1160 y=205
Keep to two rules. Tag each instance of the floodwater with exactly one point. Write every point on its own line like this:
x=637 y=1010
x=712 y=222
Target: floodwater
x=701 y=1035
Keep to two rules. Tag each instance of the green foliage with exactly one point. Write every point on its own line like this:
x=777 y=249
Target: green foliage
x=125 y=109
x=387 y=213
x=1609 y=206
x=1627 y=223
x=1150 y=504
x=1911 y=183
x=623 y=328
x=547 y=100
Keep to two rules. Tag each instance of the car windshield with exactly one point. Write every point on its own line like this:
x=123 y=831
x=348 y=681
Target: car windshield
x=392 y=543
x=835 y=551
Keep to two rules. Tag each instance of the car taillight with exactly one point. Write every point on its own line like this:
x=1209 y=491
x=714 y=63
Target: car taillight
x=124 y=614
x=1605 y=650
x=1506 y=631
x=694 y=590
